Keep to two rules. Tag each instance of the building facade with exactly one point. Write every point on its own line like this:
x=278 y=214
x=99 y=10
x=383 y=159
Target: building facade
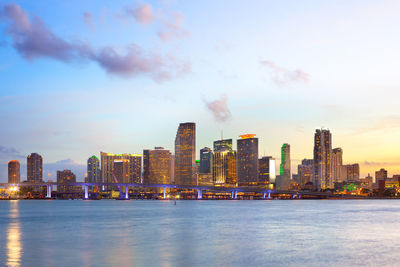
x=305 y=171
x=205 y=160
x=352 y=172
x=266 y=170
x=284 y=171
x=157 y=166
x=35 y=168
x=337 y=165
x=225 y=144
x=185 y=154
x=247 y=156
x=66 y=177
x=108 y=169
x=14 y=172
x=224 y=167
x=93 y=170
x=382 y=175
x=322 y=160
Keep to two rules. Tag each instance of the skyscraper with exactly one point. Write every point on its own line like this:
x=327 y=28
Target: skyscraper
x=35 y=168
x=157 y=166
x=352 y=173
x=247 y=153
x=121 y=170
x=107 y=166
x=285 y=161
x=93 y=170
x=322 y=160
x=224 y=167
x=336 y=165
x=205 y=160
x=266 y=170
x=65 y=177
x=305 y=171
x=14 y=172
x=382 y=175
x=185 y=154
x=225 y=144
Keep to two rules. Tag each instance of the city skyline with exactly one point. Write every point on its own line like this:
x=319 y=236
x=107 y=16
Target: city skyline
x=303 y=70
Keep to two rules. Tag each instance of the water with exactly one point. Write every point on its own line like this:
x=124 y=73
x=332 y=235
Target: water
x=200 y=233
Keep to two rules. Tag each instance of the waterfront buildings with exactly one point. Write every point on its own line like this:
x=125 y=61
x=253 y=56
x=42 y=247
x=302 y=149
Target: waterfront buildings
x=14 y=172
x=205 y=160
x=283 y=183
x=134 y=167
x=247 y=156
x=35 y=168
x=352 y=172
x=224 y=169
x=157 y=166
x=305 y=172
x=381 y=175
x=185 y=154
x=337 y=173
x=322 y=160
x=65 y=177
x=266 y=170
x=93 y=170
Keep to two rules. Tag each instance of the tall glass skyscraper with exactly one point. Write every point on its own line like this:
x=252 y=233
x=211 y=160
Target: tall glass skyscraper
x=224 y=162
x=157 y=166
x=285 y=172
x=35 y=168
x=247 y=154
x=205 y=160
x=14 y=172
x=185 y=154
x=322 y=160
x=93 y=170
x=266 y=170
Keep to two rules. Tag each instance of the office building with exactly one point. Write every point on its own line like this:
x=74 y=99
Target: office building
x=221 y=145
x=266 y=170
x=157 y=166
x=352 y=172
x=285 y=173
x=93 y=170
x=381 y=175
x=247 y=159
x=205 y=160
x=322 y=160
x=185 y=154
x=108 y=169
x=305 y=171
x=35 y=168
x=224 y=167
x=14 y=172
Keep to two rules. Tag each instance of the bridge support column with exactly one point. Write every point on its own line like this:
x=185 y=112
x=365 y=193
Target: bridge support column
x=269 y=195
x=86 y=192
x=264 y=195
x=199 y=194
x=48 y=191
x=293 y=196
x=165 y=193
x=299 y=196
x=236 y=194
x=233 y=194
x=126 y=192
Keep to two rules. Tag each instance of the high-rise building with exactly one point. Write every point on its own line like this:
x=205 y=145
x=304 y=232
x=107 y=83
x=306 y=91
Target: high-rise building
x=224 y=167
x=336 y=165
x=108 y=170
x=266 y=170
x=14 y=172
x=285 y=173
x=65 y=177
x=35 y=168
x=205 y=160
x=352 y=172
x=225 y=144
x=121 y=170
x=157 y=166
x=185 y=154
x=305 y=171
x=322 y=160
x=382 y=174
x=93 y=170
x=247 y=161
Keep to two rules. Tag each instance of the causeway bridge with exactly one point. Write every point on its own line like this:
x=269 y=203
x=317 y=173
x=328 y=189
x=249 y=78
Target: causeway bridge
x=266 y=193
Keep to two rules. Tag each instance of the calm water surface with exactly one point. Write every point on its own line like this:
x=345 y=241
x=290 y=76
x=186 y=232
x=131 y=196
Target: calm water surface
x=201 y=233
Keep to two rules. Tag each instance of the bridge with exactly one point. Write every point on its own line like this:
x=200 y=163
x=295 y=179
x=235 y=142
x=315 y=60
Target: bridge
x=266 y=193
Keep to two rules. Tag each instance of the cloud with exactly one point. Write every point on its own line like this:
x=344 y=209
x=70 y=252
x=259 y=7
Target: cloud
x=9 y=153
x=33 y=39
x=88 y=19
x=143 y=14
x=173 y=28
x=381 y=124
x=282 y=76
x=219 y=108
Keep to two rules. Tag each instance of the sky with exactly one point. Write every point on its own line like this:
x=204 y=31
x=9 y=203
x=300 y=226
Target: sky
x=80 y=77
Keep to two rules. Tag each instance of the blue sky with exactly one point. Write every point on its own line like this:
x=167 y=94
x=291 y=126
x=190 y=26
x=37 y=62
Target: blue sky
x=119 y=76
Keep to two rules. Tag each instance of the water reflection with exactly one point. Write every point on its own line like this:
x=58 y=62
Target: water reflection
x=14 y=244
